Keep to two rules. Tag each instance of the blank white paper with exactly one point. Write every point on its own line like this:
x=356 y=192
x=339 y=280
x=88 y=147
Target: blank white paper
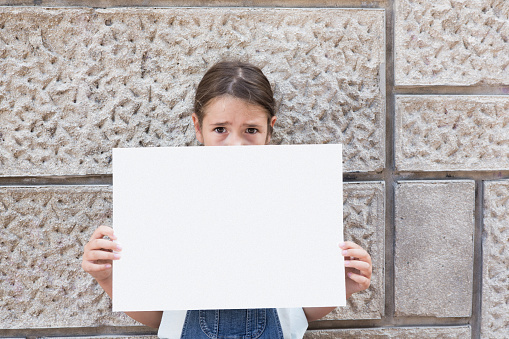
x=228 y=227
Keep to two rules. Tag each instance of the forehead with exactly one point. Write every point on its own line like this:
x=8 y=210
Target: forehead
x=230 y=107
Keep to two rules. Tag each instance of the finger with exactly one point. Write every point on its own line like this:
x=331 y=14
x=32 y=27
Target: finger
x=357 y=253
x=351 y=247
x=366 y=274
x=101 y=255
x=363 y=267
x=90 y=267
x=349 y=244
x=360 y=279
x=103 y=231
x=103 y=244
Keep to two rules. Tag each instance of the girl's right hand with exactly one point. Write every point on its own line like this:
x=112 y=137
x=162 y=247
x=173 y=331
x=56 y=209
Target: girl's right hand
x=100 y=252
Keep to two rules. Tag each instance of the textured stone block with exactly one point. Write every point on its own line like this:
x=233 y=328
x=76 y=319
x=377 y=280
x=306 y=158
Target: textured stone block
x=43 y=231
x=184 y=3
x=433 y=257
x=495 y=292
x=460 y=42
x=460 y=332
x=442 y=133
x=364 y=224
x=76 y=82
x=109 y=337
x=42 y=234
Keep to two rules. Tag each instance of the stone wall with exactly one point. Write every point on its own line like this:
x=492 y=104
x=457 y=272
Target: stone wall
x=416 y=90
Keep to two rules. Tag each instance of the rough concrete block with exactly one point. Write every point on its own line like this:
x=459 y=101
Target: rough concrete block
x=495 y=293
x=364 y=224
x=434 y=226
x=76 y=82
x=109 y=337
x=42 y=234
x=198 y=3
x=447 y=133
x=460 y=332
x=462 y=42
x=43 y=231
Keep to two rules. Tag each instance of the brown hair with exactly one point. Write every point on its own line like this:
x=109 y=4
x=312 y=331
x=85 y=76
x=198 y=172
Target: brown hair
x=238 y=79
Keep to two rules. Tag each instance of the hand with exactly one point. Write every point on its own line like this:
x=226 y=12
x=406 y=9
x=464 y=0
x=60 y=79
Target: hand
x=99 y=254
x=357 y=268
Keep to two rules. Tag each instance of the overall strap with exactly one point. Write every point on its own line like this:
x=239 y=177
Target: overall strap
x=172 y=323
x=293 y=322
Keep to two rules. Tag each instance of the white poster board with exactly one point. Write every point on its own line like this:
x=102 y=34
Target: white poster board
x=228 y=227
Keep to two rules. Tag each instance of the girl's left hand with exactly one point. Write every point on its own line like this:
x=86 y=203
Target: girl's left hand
x=357 y=268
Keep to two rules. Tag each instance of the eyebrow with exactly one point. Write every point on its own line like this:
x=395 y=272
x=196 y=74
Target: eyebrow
x=220 y=123
x=244 y=125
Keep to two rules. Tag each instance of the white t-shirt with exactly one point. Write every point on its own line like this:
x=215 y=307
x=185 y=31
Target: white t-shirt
x=293 y=323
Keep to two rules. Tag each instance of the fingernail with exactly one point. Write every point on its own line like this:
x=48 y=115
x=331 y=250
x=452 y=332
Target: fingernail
x=349 y=274
x=119 y=248
x=116 y=256
x=345 y=252
x=342 y=244
x=108 y=265
x=347 y=262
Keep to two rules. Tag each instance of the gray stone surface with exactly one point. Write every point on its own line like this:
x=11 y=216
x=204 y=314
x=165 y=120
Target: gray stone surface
x=457 y=42
x=43 y=231
x=76 y=82
x=442 y=133
x=108 y=337
x=364 y=224
x=460 y=332
x=434 y=227
x=495 y=291
x=184 y=3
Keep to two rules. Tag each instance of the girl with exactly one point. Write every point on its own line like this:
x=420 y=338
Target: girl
x=234 y=105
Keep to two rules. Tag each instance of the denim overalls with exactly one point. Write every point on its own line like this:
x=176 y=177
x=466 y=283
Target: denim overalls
x=261 y=323
x=266 y=323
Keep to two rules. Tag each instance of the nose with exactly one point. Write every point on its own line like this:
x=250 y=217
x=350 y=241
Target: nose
x=234 y=139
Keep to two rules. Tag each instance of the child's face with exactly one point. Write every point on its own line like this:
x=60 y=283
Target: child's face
x=230 y=121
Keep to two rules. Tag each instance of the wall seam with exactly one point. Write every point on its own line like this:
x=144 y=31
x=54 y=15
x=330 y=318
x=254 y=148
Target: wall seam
x=478 y=255
x=388 y=318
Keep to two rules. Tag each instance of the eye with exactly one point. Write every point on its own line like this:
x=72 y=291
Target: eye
x=251 y=130
x=220 y=130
